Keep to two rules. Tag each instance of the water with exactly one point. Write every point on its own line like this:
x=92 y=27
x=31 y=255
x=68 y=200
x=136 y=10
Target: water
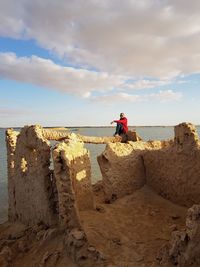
x=147 y=133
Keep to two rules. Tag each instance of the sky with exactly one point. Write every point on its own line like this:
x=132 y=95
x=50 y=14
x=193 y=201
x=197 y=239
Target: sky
x=82 y=63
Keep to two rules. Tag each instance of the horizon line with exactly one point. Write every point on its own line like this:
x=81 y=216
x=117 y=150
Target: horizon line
x=88 y=126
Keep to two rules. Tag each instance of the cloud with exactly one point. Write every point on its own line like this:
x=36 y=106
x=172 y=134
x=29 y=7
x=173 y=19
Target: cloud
x=146 y=84
x=161 y=96
x=43 y=72
x=146 y=38
x=79 y=82
x=166 y=96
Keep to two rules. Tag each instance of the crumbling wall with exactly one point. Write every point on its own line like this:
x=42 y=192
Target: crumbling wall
x=184 y=246
x=174 y=172
x=29 y=177
x=122 y=167
x=51 y=134
x=186 y=136
x=73 y=178
x=11 y=140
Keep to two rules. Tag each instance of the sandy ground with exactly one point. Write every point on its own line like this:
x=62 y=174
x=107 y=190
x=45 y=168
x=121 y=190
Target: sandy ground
x=129 y=232
x=32 y=247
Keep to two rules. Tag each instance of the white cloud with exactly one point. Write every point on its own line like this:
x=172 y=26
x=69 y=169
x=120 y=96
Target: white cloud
x=146 y=38
x=81 y=82
x=146 y=84
x=161 y=96
x=167 y=95
x=43 y=72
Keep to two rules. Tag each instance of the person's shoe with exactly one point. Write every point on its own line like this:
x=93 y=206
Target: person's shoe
x=116 y=135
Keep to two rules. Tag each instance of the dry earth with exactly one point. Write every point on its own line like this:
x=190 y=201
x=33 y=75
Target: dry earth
x=128 y=232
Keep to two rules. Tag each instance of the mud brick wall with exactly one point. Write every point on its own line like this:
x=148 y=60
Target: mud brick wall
x=73 y=178
x=123 y=169
x=174 y=172
x=29 y=177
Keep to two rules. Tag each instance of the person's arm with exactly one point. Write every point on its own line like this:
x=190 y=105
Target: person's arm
x=120 y=121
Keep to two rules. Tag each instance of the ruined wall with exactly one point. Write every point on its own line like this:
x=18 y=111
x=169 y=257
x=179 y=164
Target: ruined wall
x=33 y=188
x=174 y=172
x=184 y=246
x=122 y=167
x=73 y=178
x=186 y=136
x=51 y=134
x=11 y=140
x=29 y=177
x=171 y=168
x=33 y=195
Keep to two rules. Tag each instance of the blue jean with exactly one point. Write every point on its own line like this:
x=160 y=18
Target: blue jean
x=119 y=129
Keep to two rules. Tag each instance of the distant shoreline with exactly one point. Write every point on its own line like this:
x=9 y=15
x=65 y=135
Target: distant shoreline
x=72 y=127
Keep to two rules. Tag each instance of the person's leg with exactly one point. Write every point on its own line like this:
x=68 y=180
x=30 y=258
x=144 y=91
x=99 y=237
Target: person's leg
x=119 y=129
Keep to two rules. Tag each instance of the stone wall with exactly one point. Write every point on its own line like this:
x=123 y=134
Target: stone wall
x=174 y=172
x=29 y=177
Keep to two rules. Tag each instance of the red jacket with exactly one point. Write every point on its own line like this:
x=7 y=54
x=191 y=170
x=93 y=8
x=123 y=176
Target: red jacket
x=124 y=122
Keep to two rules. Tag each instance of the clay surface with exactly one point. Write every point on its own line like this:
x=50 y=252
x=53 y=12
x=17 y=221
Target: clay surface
x=29 y=177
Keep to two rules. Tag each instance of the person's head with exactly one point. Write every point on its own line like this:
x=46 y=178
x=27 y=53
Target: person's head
x=122 y=115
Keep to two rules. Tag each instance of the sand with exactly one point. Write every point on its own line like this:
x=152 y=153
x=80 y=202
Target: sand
x=128 y=232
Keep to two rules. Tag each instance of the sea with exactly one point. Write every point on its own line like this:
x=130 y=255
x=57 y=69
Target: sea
x=146 y=132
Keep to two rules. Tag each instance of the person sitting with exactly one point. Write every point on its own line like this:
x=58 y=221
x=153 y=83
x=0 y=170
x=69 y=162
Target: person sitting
x=121 y=127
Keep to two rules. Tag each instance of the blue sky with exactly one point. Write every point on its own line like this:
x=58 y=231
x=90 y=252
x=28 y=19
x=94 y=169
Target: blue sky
x=82 y=63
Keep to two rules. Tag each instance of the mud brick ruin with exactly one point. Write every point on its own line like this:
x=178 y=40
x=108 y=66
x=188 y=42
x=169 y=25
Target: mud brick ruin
x=51 y=185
